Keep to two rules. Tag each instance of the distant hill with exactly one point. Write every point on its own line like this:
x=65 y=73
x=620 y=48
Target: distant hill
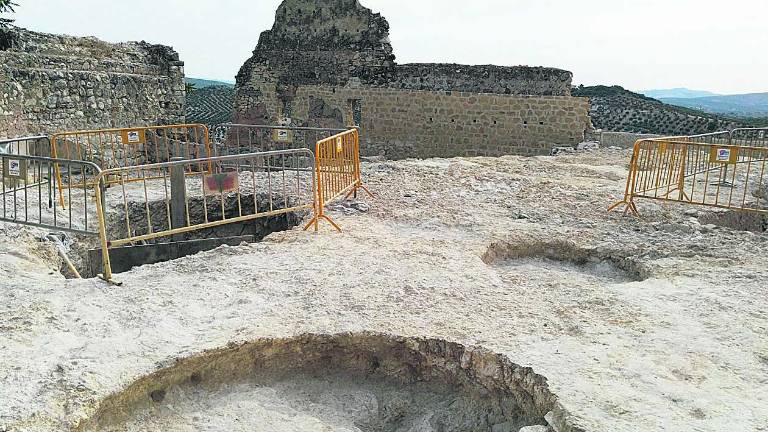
x=679 y=93
x=620 y=110
x=203 y=83
x=211 y=105
x=746 y=105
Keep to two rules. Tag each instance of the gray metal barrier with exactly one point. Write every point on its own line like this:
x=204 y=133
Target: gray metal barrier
x=723 y=138
x=233 y=139
x=29 y=191
x=750 y=137
x=30 y=146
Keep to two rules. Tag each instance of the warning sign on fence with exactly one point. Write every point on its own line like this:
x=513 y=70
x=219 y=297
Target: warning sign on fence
x=215 y=184
x=727 y=155
x=137 y=136
x=14 y=168
x=283 y=135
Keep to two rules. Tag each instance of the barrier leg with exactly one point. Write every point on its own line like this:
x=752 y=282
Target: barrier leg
x=316 y=222
x=629 y=207
x=105 y=263
x=358 y=187
x=330 y=221
x=615 y=206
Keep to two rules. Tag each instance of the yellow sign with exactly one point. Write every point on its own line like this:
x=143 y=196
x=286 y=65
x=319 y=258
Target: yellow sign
x=339 y=145
x=726 y=155
x=133 y=136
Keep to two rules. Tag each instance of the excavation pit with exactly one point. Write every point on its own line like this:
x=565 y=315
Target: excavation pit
x=200 y=211
x=349 y=382
x=564 y=259
x=736 y=220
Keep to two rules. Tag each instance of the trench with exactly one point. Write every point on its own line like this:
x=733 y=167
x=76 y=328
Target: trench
x=564 y=257
x=567 y=290
x=360 y=382
x=736 y=220
x=86 y=254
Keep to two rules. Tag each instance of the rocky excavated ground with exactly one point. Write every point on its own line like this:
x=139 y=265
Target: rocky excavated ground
x=649 y=324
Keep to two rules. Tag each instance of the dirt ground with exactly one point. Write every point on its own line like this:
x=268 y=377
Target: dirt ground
x=651 y=324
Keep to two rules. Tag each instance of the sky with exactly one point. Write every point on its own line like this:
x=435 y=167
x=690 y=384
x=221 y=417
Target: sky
x=638 y=44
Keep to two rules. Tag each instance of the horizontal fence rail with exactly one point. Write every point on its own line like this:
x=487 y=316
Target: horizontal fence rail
x=172 y=199
x=30 y=146
x=30 y=189
x=337 y=163
x=123 y=147
x=234 y=138
x=708 y=138
x=709 y=174
x=134 y=146
x=750 y=137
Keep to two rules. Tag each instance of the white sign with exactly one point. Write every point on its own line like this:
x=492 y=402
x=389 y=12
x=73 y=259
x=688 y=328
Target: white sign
x=14 y=167
x=282 y=135
x=133 y=137
x=723 y=155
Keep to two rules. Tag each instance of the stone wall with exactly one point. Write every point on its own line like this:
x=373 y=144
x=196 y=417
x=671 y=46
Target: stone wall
x=518 y=80
x=408 y=123
x=50 y=83
x=329 y=63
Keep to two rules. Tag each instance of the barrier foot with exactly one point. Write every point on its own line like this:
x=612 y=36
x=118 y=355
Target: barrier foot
x=354 y=192
x=316 y=222
x=110 y=281
x=330 y=221
x=629 y=207
x=366 y=191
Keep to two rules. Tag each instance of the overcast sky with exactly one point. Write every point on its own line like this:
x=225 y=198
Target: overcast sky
x=639 y=44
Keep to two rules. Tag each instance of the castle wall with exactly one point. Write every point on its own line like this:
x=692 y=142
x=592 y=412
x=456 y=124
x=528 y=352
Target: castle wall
x=413 y=123
x=517 y=80
x=50 y=83
x=329 y=63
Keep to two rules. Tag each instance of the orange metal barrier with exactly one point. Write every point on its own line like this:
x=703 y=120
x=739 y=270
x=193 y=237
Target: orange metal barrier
x=241 y=188
x=126 y=147
x=709 y=174
x=337 y=165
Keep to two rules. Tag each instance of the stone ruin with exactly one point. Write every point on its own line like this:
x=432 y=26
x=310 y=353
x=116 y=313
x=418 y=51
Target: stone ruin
x=51 y=83
x=329 y=63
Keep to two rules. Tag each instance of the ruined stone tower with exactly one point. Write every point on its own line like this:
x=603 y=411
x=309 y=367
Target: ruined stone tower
x=330 y=63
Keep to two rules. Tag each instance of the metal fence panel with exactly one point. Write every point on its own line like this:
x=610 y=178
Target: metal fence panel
x=135 y=146
x=30 y=146
x=709 y=174
x=30 y=189
x=171 y=198
x=240 y=138
x=751 y=137
x=338 y=172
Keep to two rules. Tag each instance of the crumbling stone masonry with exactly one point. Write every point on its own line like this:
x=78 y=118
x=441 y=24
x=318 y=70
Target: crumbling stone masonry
x=50 y=83
x=329 y=63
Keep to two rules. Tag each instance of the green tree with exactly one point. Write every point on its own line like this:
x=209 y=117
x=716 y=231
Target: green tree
x=6 y=6
x=188 y=87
